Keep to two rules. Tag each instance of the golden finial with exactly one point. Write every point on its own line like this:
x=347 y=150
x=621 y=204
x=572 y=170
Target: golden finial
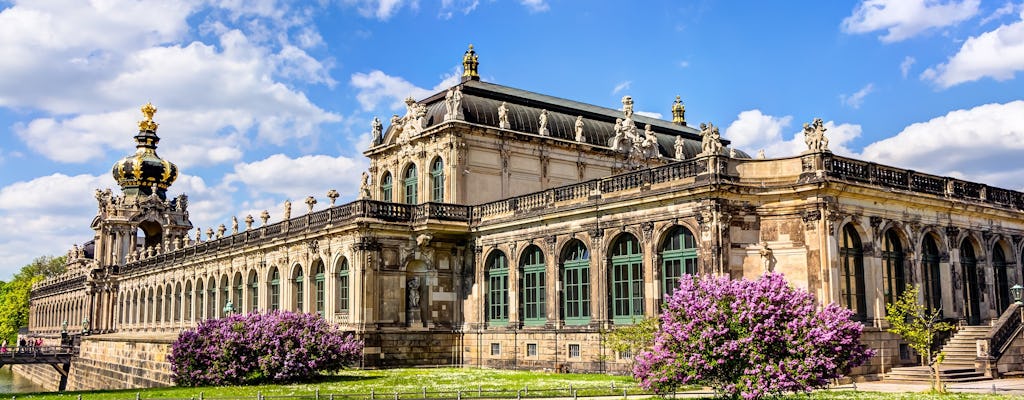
x=469 y=65
x=678 y=112
x=147 y=111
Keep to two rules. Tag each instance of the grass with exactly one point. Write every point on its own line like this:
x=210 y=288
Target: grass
x=473 y=383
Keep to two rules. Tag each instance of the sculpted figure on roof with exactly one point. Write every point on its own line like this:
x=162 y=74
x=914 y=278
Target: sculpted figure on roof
x=711 y=141
x=618 y=142
x=543 y=129
x=453 y=104
x=814 y=136
x=679 y=148
x=648 y=146
x=503 y=116
x=378 y=129
x=579 y=130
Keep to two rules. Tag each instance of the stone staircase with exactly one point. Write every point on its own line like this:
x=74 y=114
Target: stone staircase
x=958 y=366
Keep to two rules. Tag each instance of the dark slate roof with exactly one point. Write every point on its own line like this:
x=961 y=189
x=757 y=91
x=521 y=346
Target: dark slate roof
x=480 y=102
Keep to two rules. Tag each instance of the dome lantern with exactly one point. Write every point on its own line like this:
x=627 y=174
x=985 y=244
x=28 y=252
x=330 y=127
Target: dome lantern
x=145 y=173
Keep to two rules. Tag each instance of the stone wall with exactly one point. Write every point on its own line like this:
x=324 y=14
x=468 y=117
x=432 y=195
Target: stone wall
x=565 y=350
x=122 y=361
x=40 y=374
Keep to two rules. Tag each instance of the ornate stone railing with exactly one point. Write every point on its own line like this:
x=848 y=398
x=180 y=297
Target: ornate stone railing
x=392 y=212
x=584 y=190
x=1001 y=334
x=59 y=285
x=868 y=172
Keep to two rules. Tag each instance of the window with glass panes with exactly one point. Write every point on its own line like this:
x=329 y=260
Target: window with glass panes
x=627 y=294
x=892 y=266
x=200 y=299
x=437 y=181
x=239 y=288
x=225 y=294
x=497 y=288
x=189 y=307
x=298 y=284
x=343 y=286
x=410 y=185
x=678 y=258
x=1002 y=278
x=851 y=280
x=275 y=290
x=385 y=187
x=211 y=303
x=531 y=282
x=576 y=284
x=254 y=292
x=932 y=277
x=318 y=280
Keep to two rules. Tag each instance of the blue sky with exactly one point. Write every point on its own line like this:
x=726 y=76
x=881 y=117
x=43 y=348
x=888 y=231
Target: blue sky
x=262 y=101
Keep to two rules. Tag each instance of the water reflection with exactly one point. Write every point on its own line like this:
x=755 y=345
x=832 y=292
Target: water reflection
x=14 y=383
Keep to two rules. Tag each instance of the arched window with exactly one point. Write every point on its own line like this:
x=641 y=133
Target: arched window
x=932 y=278
x=168 y=301
x=254 y=291
x=159 y=304
x=177 y=302
x=237 y=300
x=1002 y=278
x=969 y=276
x=437 y=180
x=892 y=266
x=318 y=279
x=200 y=299
x=531 y=284
x=851 y=285
x=211 y=296
x=189 y=305
x=385 y=187
x=225 y=286
x=297 y=289
x=626 y=278
x=576 y=283
x=150 y=310
x=410 y=184
x=497 y=288
x=678 y=258
x=275 y=289
x=343 y=286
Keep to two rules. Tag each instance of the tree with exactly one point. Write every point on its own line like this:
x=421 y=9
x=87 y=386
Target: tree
x=14 y=298
x=632 y=339
x=749 y=339
x=279 y=346
x=917 y=325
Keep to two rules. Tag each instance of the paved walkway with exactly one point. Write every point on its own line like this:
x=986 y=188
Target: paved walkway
x=1001 y=386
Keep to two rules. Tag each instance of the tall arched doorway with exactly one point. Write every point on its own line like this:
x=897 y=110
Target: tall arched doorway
x=969 y=282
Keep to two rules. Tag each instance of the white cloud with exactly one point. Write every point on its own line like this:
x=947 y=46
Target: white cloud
x=753 y=130
x=908 y=62
x=903 y=19
x=299 y=177
x=655 y=115
x=535 y=5
x=376 y=87
x=381 y=9
x=997 y=54
x=450 y=7
x=1006 y=9
x=46 y=221
x=90 y=65
x=622 y=86
x=972 y=144
x=684 y=64
x=855 y=100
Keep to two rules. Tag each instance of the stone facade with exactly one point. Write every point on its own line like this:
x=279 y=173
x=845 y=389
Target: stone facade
x=484 y=237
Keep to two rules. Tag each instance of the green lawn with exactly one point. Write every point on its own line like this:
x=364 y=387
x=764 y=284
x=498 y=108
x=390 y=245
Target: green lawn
x=470 y=383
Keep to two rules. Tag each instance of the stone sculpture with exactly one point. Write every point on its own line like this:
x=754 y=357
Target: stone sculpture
x=814 y=136
x=711 y=142
x=414 y=292
x=378 y=130
x=679 y=145
x=543 y=127
x=579 y=130
x=503 y=116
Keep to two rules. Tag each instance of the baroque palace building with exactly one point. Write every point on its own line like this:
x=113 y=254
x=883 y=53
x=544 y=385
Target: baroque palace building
x=501 y=227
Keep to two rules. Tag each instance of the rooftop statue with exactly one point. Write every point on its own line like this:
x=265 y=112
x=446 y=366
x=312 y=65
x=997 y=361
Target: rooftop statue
x=503 y=116
x=711 y=140
x=814 y=136
x=579 y=130
x=543 y=129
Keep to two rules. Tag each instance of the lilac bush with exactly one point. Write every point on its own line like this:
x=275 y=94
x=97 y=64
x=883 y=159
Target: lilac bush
x=279 y=346
x=749 y=339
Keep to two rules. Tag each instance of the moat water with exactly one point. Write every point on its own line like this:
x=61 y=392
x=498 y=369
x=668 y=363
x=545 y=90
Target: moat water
x=14 y=383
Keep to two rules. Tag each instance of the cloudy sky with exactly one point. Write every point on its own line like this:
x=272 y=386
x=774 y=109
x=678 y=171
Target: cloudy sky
x=262 y=101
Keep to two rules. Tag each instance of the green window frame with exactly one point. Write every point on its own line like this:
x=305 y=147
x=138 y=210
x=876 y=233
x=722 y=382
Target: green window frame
x=343 y=290
x=932 y=279
x=200 y=299
x=627 y=283
x=254 y=292
x=678 y=258
x=497 y=289
x=411 y=184
x=239 y=298
x=299 y=292
x=189 y=302
x=532 y=285
x=576 y=284
x=226 y=295
x=318 y=280
x=437 y=181
x=895 y=280
x=851 y=286
x=275 y=290
x=385 y=187
x=211 y=300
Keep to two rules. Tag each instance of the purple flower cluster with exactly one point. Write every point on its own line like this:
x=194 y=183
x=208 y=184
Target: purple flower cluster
x=253 y=348
x=749 y=339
